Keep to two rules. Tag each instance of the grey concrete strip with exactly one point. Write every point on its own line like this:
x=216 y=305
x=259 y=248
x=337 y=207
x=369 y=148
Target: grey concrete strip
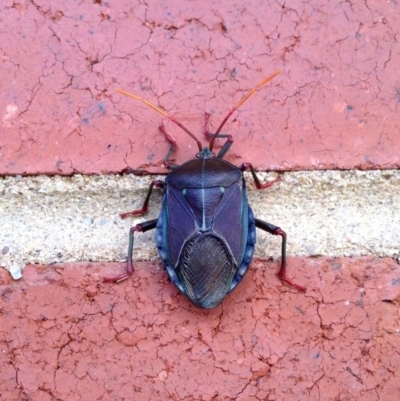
x=64 y=219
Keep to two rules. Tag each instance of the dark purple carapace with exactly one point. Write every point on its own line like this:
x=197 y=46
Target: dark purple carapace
x=206 y=231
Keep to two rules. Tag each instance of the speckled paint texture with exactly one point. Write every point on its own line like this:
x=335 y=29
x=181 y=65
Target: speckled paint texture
x=74 y=338
x=64 y=335
x=335 y=105
x=325 y=213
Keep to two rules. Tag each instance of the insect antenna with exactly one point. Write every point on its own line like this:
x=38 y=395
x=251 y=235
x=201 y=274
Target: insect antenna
x=151 y=105
x=251 y=92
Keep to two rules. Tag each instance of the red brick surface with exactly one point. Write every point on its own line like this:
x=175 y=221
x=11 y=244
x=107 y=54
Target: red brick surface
x=67 y=336
x=64 y=335
x=335 y=105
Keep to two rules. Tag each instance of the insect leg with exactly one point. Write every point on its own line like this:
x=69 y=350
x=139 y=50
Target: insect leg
x=172 y=149
x=142 y=227
x=225 y=147
x=210 y=135
x=143 y=210
x=206 y=129
x=274 y=230
x=249 y=166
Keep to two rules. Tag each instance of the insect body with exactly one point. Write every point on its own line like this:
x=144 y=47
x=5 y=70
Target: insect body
x=206 y=231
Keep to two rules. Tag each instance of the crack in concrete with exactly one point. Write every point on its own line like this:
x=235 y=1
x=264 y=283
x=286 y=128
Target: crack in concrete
x=251 y=379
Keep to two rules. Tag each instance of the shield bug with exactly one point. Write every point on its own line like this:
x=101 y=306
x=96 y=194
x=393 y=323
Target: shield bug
x=206 y=231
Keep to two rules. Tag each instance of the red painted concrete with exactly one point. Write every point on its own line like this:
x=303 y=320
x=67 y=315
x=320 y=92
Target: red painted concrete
x=335 y=105
x=65 y=335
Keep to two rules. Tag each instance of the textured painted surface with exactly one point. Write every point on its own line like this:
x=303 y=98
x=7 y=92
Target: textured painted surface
x=64 y=335
x=335 y=105
x=324 y=213
x=67 y=336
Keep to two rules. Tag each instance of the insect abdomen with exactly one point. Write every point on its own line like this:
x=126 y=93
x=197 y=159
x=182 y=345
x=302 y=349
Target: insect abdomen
x=206 y=270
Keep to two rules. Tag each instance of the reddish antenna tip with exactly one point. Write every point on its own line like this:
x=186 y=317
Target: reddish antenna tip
x=250 y=93
x=162 y=112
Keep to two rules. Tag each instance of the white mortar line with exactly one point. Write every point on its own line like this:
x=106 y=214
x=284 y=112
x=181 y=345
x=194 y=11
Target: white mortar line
x=68 y=219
